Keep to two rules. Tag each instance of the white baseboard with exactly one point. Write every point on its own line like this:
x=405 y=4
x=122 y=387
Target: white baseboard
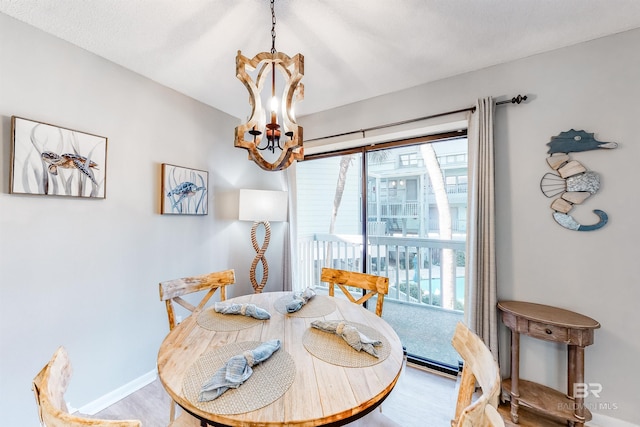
x=600 y=420
x=118 y=394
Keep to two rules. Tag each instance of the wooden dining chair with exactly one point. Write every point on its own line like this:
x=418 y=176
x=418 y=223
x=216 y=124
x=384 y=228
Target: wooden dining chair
x=172 y=291
x=479 y=367
x=49 y=387
x=373 y=285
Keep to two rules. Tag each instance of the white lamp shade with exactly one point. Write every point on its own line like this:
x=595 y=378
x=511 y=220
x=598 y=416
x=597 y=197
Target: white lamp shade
x=262 y=205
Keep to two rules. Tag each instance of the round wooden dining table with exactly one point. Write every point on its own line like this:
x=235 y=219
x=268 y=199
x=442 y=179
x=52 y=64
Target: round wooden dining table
x=314 y=379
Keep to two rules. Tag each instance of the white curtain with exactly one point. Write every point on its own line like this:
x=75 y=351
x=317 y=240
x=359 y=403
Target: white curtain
x=481 y=294
x=290 y=270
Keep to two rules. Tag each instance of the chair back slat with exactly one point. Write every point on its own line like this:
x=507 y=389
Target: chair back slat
x=479 y=367
x=184 y=303
x=186 y=285
x=171 y=291
x=49 y=386
x=373 y=285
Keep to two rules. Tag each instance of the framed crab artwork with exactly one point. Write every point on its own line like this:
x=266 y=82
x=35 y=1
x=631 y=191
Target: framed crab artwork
x=184 y=191
x=56 y=161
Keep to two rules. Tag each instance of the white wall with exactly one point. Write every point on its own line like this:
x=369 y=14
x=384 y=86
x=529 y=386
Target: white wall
x=593 y=86
x=101 y=301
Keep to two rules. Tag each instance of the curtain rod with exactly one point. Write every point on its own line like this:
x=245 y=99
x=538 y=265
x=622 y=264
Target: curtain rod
x=515 y=100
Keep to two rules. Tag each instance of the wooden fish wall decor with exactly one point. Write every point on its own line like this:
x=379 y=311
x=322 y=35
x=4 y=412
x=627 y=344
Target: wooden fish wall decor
x=571 y=181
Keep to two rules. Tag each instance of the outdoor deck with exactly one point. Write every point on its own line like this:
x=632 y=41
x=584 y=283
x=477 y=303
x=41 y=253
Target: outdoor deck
x=425 y=331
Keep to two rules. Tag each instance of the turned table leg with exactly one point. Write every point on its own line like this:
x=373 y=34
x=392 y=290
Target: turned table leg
x=515 y=374
x=576 y=376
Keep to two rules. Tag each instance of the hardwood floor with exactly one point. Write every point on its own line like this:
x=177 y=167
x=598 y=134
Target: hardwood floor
x=150 y=405
x=419 y=399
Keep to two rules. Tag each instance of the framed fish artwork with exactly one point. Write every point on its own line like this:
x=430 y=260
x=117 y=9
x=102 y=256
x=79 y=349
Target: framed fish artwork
x=55 y=161
x=184 y=191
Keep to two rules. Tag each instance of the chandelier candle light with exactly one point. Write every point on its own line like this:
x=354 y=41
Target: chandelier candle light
x=250 y=135
x=261 y=206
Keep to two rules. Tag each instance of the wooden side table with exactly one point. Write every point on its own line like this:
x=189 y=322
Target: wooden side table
x=551 y=324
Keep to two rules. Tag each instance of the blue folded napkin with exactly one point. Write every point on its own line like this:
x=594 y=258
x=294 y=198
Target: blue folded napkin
x=300 y=299
x=250 y=310
x=236 y=371
x=356 y=339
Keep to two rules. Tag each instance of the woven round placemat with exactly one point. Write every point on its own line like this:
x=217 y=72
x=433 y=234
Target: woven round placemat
x=333 y=349
x=214 y=321
x=270 y=380
x=318 y=306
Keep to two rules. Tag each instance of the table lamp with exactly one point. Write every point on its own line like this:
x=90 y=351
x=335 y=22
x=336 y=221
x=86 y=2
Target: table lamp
x=261 y=206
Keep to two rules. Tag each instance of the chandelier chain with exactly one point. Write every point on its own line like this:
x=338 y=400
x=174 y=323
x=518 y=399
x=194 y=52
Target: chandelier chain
x=273 y=28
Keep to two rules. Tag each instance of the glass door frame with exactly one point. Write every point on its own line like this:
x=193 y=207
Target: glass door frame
x=364 y=150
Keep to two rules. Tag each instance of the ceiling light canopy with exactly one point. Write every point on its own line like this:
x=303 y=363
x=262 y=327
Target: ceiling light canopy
x=279 y=128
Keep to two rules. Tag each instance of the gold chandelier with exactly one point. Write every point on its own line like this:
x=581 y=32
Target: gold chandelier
x=250 y=135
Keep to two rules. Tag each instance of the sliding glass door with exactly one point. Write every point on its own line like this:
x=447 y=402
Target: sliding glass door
x=329 y=220
x=399 y=211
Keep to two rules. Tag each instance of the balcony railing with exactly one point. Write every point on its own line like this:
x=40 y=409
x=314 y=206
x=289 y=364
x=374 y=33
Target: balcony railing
x=452 y=188
x=399 y=209
x=416 y=267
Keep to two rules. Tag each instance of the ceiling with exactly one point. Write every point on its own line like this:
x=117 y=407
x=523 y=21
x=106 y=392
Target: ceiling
x=353 y=49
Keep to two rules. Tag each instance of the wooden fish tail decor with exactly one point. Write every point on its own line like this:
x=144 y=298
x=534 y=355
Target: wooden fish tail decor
x=571 y=180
